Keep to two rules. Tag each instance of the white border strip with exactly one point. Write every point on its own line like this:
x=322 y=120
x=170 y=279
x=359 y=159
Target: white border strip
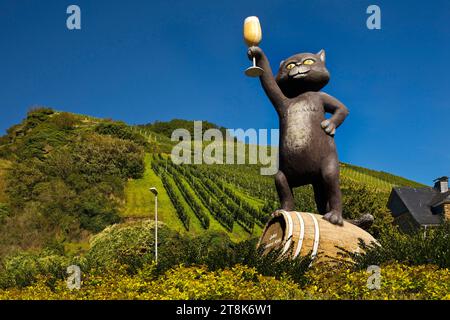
x=289 y=235
x=316 y=236
x=302 y=235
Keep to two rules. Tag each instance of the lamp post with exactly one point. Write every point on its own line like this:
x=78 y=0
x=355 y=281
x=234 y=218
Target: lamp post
x=155 y=192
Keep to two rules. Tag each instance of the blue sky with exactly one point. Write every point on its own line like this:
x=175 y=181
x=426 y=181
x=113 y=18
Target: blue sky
x=141 y=61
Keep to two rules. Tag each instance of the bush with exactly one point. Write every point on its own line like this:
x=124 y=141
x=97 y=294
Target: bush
x=410 y=249
x=65 y=121
x=398 y=281
x=98 y=156
x=216 y=251
x=239 y=282
x=243 y=282
x=130 y=245
x=23 y=268
x=37 y=115
x=122 y=131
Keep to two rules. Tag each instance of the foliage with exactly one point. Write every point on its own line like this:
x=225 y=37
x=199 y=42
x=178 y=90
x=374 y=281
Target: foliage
x=180 y=283
x=397 y=281
x=432 y=247
x=243 y=282
x=274 y=263
x=166 y=128
x=177 y=199
x=63 y=179
x=23 y=268
x=196 y=205
x=122 y=131
x=130 y=244
x=106 y=156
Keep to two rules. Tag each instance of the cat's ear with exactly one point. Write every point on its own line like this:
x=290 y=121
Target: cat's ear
x=281 y=63
x=321 y=55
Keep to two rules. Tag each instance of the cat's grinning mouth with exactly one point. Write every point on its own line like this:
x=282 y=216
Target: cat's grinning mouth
x=300 y=75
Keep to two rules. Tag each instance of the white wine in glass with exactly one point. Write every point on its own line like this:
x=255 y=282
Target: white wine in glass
x=252 y=37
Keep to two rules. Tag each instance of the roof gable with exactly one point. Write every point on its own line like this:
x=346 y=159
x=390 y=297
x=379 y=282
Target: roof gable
x=417 y=201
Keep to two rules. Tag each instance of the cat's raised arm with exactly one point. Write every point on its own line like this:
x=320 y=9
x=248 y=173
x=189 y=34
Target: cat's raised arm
x=337 y=109
x=267 y=79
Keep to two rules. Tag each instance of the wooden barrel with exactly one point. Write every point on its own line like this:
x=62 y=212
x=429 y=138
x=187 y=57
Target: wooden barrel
x=304 y=233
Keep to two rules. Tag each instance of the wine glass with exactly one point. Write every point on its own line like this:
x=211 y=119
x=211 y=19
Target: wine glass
x=252 y=37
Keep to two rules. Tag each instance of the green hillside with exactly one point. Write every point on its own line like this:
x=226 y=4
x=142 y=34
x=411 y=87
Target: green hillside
x=103 y=169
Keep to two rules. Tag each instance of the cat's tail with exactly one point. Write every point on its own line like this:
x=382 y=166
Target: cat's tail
x=364 y=222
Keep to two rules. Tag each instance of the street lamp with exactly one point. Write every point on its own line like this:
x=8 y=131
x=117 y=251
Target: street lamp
x=155 y=192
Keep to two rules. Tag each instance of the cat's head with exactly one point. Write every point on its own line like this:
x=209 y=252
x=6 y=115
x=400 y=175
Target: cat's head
x=302 y=72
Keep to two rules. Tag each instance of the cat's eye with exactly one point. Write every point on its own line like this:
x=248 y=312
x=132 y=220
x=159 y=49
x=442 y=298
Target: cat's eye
x=308 y=62
x=290 y=66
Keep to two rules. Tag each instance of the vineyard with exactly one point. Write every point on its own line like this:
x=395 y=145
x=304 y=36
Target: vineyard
x=192 y=187
x=377 y=179
x=236 y=198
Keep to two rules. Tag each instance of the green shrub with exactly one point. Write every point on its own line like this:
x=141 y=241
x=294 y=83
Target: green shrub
x=432 y=247
x=242 y=282
x=131 y=245
x=65 y=120
x=37 y=115
x=98 y=156
x=23 y=268
x=216 y=251
x=122 y=131
x=180 y=283
x=397 y=281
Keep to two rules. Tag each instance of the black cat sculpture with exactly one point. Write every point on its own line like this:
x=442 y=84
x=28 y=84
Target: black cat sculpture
x=307 y=152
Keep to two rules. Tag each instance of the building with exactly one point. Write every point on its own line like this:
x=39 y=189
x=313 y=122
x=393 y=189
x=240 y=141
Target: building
x=416 y=208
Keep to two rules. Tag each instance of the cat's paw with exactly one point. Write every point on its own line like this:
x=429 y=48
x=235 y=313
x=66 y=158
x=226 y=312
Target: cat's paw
x=334 y=217
x=254 y=51
x=329 y=127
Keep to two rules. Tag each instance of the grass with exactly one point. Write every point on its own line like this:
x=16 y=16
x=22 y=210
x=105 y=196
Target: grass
x=140 y=203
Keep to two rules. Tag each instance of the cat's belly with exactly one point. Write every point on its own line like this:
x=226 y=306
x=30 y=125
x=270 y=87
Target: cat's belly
x=303 y=141
x=301 y=127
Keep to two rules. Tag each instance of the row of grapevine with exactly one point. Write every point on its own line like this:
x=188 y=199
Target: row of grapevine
x=192 y=200
x=258 y=214
x=385 y=179
x=217 y=209
x=239 y=214
x=175 y=197
x=245 y=178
